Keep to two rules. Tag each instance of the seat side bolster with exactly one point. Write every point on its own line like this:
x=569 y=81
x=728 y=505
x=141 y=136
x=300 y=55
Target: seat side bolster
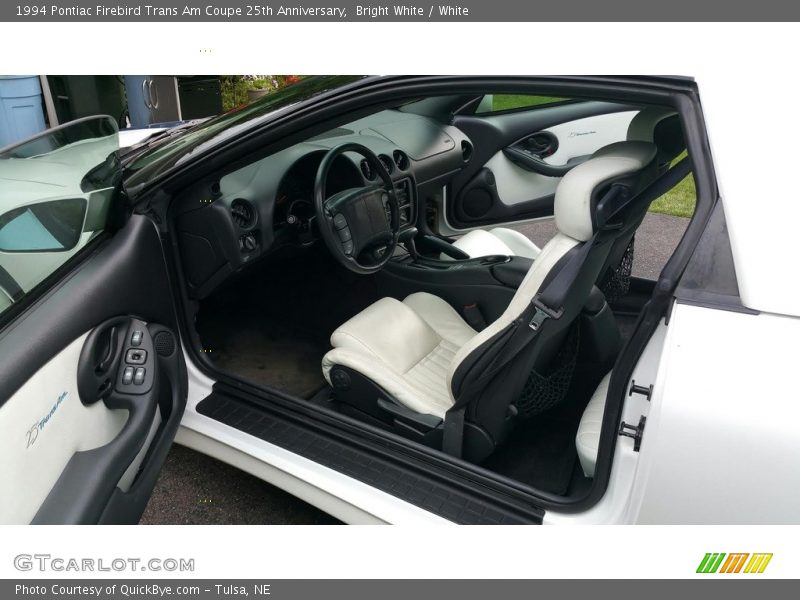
x=587 y=440
x=480 y=242
x=518 y=243
x=555 y=249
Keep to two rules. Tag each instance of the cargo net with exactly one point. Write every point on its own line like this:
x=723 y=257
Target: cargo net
x=618 y=281
x=543 y=391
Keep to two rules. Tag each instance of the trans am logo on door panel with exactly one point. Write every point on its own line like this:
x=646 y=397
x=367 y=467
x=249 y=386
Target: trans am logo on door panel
x=33 y=432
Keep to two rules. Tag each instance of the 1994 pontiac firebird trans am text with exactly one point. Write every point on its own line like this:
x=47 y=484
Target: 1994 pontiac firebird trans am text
x=238 y=12
x=332 y=289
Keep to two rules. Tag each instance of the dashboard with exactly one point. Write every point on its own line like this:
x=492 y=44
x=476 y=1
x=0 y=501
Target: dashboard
x=224 y=224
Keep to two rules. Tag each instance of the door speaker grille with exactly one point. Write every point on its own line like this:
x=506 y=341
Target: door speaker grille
x=164 y=343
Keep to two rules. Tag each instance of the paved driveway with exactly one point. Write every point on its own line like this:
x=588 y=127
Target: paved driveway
x=196 y=489
x=656 y=239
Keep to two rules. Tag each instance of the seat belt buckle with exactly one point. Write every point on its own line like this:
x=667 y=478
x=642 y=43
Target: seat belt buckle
x=542 y=314
x=474 y=317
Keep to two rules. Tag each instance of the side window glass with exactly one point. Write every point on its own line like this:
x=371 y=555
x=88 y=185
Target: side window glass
x=55 y=194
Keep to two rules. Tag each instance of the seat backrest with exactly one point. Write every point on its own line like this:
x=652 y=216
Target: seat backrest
x=661 y=127
x=577 y=196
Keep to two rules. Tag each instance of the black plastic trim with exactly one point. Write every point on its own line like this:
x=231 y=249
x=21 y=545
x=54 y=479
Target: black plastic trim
x=9 y=285
x=710 y=277
x=415 y=479
x=534 y=163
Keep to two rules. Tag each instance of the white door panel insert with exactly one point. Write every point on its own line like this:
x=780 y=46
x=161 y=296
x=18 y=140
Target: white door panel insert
x=41 y=426
x=581 y=137
x=585 y=136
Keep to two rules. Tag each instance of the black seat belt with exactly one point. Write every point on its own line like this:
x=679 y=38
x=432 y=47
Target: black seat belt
x=549 y=303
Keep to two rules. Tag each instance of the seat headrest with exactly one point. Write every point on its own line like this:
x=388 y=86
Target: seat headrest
x=581 y=188
x=662 y=127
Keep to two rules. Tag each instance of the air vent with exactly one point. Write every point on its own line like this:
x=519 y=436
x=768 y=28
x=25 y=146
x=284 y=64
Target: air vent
x=466 y=150
x=400 y=159
x=367 y=171
x=387 y=163
x=242 y=212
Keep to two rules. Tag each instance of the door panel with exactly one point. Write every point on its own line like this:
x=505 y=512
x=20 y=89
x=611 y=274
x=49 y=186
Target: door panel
x=520 y=158
x=73 y=344
x=41 y=426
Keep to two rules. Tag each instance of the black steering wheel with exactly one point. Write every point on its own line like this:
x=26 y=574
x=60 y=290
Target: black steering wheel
x=359 y=225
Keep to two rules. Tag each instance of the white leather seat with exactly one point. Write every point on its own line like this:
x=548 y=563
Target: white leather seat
x=587 y=441
x=411 y=349
x=508 y=242
x=405 y=347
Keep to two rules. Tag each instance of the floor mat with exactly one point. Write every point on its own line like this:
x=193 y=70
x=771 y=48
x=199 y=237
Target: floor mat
x=274 y=327
x=265 y=352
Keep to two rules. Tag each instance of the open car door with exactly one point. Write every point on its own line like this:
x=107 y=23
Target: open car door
x=92 y=379
x=521 y=148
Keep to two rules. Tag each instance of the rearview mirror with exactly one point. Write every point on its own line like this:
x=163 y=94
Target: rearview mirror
x=51 y=226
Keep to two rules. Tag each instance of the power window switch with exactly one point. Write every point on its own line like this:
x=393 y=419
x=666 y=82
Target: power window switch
x=127 y=376
x=138 y=377
x=136 y=338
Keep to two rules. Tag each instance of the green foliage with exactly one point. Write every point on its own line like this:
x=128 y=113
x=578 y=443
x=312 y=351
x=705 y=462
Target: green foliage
x=235 y=87
x=513 y=101
x=680 y=200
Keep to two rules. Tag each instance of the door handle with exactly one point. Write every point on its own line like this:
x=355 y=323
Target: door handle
x=100 y=357
x=529 y=153
x=111 y=353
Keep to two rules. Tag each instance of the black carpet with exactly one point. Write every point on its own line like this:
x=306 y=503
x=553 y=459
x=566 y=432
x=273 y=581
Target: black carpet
x=273 y=327
x=540 y=454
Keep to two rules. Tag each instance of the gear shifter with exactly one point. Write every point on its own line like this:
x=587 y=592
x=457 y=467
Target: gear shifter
x=406 y=237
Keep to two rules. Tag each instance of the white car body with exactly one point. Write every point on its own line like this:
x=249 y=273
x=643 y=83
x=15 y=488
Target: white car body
x=23 y=184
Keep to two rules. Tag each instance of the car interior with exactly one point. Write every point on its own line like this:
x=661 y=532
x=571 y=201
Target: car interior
x=385 y=271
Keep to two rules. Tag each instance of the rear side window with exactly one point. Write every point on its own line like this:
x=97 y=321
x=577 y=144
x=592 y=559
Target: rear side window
x=55 y=195
x=492 y=103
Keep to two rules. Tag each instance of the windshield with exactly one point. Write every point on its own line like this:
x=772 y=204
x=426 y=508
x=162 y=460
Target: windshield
x=171 y=151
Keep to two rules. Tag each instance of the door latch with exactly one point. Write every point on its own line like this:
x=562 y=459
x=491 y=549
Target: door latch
x=634 y=432
x=647 y=392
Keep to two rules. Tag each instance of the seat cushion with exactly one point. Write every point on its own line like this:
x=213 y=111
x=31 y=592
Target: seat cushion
x=406 y=348
x=587 y=440
x=506 y=242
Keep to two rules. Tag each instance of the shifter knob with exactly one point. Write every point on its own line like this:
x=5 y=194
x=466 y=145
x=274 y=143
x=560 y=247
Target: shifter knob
x=407 y=235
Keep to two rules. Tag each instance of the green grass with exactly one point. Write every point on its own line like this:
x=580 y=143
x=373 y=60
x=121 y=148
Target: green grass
x=679 y=201
x=512 y=101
